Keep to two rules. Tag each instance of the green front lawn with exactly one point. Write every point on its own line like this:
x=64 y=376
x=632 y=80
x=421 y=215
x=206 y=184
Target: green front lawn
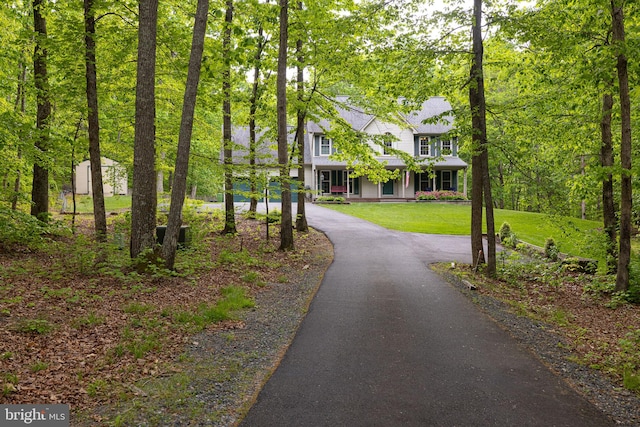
x=572 y=235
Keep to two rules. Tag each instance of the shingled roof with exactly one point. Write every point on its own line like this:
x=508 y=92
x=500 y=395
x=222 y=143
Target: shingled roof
x=358 y=119
x=266 y=150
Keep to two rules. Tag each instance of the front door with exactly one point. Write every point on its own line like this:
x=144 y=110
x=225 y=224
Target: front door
x=325 y=182
x=387 y=188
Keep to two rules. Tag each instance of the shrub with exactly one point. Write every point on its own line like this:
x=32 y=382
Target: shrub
x=511 y=241
x=505 y=231
x=633 y=292
x=274 y=217
x=336 y=199
x=19 y=228
x=424 y=195
x=34 y=326
x=580 y=265
x=551 y=250
x=439 y=195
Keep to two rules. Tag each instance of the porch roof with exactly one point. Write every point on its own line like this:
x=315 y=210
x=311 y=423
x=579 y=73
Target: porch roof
x=445 y=163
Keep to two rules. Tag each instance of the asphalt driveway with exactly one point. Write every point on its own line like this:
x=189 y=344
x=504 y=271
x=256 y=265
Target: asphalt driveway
x=387 y=342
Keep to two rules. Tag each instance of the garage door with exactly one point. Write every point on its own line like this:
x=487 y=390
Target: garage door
x=242 y=193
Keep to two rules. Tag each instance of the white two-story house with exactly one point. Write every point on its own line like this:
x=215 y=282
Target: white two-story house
x=413 y=134
x=425 y=141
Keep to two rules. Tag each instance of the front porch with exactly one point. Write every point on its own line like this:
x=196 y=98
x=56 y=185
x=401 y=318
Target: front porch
x=340 y=182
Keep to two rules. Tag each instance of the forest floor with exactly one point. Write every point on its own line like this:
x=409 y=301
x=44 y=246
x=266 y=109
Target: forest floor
x=98 y=337
x=122 y=348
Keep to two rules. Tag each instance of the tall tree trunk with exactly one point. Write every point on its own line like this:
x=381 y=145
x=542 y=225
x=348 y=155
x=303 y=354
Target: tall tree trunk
x=179 y=187
x=301 y=216
x=624 y=256
x=286 y=225
x=144 y=198
x=491 y=228
x=19 y=106
x=99 y=214
x=478 y=137
x=73 y=181
x=40 y=187
x=16 y=184
x=583 y=203
x=482 y=129
x=501 y=181
x=253 y=108
x=160 y=175
x=230 y=219
x=608 y=203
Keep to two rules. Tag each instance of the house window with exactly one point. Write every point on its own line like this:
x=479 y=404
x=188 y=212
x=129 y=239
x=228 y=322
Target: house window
x=325 y=146
x=425 y=146
x=446 y=181
x=426 y=182
x=388 y=144
x=446 y=147
x=387 y=147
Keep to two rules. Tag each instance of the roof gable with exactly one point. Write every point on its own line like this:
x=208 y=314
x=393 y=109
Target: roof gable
x=359 y=120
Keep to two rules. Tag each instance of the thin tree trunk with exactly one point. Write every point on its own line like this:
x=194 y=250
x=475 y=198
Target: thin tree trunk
x=179 y=187
x=99 y=214
x=160 y=176
x=253 y=108
x=491 y=228
x=40 y=187
x=16 y=184
x=482 y=129
x=501 y=180
x=230 y=219
x=286 y=225
x=144 y=198
x=608 y=203
x=19 y=106
x=478 y=138
x=73 y=178
x=624 y=255
x=301 y=216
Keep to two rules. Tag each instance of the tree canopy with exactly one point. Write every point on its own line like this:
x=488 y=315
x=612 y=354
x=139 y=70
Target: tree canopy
x=547 y=67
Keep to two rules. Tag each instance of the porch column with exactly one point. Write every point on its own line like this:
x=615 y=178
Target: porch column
x=379 y=191
x=348 y=186
x=403 y=182
x=433 y=186
x=465 y=182
x=314 y=182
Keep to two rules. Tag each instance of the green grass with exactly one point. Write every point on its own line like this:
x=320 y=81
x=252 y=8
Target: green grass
x=570 y=234
x=84 y=204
